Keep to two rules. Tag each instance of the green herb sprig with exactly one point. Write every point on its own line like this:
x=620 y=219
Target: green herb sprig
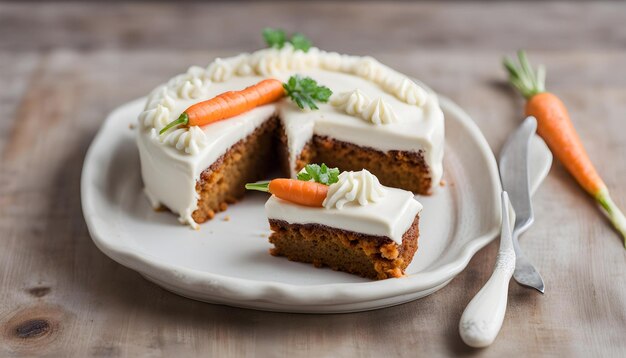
x=277 y=38
x=305 y=91
x=319 y=173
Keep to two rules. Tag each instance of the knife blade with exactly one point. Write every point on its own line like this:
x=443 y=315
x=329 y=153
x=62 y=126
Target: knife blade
x=515 y=176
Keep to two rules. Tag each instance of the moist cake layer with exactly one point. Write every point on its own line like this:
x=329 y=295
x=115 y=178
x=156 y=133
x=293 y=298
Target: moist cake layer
x=224 y=181
x=369 y=256
x=399 y=169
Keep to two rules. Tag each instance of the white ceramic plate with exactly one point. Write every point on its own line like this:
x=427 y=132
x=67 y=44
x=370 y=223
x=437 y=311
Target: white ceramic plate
x=227 y=260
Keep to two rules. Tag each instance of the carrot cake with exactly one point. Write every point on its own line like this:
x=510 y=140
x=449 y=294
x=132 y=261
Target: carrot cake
x=376 y=118
x=354 y=225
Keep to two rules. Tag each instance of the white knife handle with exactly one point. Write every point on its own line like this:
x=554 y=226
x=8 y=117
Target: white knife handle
x=483 y=317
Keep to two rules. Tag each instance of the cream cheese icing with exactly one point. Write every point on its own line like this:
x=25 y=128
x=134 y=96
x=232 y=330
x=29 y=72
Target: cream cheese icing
x=172 y=163
x=360 y=187
x=379 y=112
x=358 y=104
x=352 y=102
x=391 y=216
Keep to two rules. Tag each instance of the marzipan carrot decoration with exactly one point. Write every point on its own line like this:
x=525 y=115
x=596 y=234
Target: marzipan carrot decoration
x=555 y=127
x=303 y=91
x=310 y=189
x=230 y=104
x=308 y=193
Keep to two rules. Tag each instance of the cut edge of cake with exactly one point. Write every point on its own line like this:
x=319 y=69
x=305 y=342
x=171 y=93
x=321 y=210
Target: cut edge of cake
x=373 y=257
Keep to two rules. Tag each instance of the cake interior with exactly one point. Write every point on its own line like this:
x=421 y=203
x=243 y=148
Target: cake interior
x=368 y=256
x=224 y=181
x=252 y=158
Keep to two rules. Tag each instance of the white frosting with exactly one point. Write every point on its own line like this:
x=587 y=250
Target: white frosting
x=191 y=140
x=379 y=112
x=172 y=163
x=219 y=70
x=360 y=187
x=156 y=118
x=369 y=68
x=192 y=88
x=352 y=102
x=409 y=91
x=358 y=104
x=391 y=216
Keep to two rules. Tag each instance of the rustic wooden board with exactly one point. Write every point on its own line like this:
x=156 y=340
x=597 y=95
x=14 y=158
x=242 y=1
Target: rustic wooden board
x=63 y=67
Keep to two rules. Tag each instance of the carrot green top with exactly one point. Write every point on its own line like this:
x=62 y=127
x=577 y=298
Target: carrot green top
x=278 y=38
x=524 y=78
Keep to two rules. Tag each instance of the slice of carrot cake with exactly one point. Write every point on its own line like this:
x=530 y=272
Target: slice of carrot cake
x=348 y=222
x=200 y=139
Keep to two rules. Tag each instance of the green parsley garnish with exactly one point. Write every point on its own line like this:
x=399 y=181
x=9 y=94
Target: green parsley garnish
x=300 y=42
x=277 y=38
x=319 y=173
x=274 y=37
x=306 y=91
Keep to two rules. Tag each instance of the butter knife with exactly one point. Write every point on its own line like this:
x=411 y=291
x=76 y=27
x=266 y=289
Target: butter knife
x=482 y=319
x=514 y=173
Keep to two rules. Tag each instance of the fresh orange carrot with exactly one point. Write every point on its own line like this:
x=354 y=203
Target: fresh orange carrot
x=308 y=193
x=556 y=128
x=230 y=104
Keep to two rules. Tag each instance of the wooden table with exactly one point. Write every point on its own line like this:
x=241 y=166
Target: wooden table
x=64 y=66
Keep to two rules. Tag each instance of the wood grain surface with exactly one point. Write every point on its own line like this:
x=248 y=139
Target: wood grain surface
x=64 y=66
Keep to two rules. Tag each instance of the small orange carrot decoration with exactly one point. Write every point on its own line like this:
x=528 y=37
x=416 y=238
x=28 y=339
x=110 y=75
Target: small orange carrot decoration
x=310 y=189
x=308 y=193
x=303 y=91
x=230 y=104
x=556 y=128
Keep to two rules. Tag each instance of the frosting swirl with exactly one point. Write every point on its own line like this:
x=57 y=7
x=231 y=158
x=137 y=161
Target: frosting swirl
x=156 y=118
x=219 y=70
x=379 y=112
x=360 y=187
x=409 y=92
x=193 y=88
x=353 y=102
x=190 y=140
x=371 y=69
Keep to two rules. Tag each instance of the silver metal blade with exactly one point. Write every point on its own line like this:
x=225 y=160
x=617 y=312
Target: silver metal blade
x=515 y=176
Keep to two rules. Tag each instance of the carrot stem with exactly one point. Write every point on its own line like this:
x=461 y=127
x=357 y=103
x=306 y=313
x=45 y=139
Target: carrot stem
x=524 y=78
x=263 y=186
x=615 y=214
x=182 y=120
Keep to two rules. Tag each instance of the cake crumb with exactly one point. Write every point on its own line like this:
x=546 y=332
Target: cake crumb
x=442 y=183
x=389 y=251
x=131 y=126
x=211 y=214
x=226 y=218
x=395 y=272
